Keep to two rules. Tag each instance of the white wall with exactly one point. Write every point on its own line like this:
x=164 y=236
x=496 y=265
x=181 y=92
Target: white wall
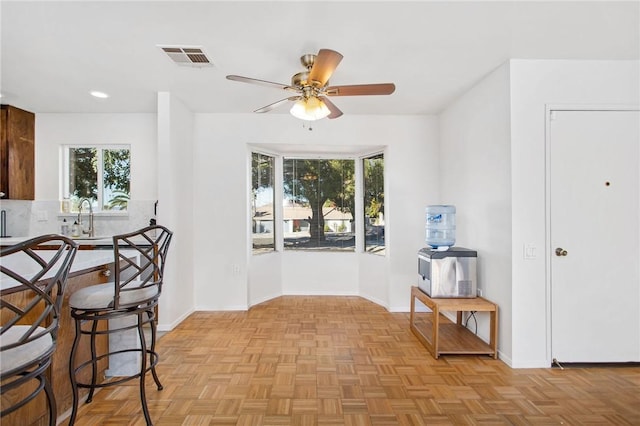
x=475 y=176
x=223 y=264
x=492 y=143
x=137 y=130
x=175 y=207
x=54 y=130
x=201 y=181
x=412 y=183
x=161 y=169
x=534 y=84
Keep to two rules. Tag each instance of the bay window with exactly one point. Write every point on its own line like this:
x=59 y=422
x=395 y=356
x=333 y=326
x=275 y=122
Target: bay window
x=319 y=204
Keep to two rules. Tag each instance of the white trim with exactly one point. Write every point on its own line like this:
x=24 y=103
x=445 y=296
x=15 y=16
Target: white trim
x=249 y=177
x=358 y=214
x=317 y=151
x=64 y=180
x=376 y=301
x=321 y=293
x=264 y=299
x=259 y=149
x=223 y=309
x=318 y=156
x=278 y=223
x=577 y=107
x=361 y=198
x=174 y=324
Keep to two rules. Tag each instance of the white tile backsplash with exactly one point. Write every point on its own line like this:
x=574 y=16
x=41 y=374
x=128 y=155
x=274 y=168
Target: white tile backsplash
x=18 y=217
x=31 y=218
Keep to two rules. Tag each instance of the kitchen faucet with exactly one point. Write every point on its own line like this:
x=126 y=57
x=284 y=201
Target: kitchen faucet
x=91 y=230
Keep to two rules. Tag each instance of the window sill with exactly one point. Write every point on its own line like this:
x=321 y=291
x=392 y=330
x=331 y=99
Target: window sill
x=123 y=214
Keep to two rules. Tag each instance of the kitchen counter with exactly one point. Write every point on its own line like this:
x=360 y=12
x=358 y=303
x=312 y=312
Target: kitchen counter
x=84 y=243
x=84 y=261
x=104 y=240
x=90 y=267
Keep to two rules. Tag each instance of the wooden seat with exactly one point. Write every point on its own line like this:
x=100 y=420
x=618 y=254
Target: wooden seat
x=127 y=303
x=30 y=323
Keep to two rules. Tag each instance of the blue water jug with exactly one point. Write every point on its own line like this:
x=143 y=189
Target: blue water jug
x=441 y=226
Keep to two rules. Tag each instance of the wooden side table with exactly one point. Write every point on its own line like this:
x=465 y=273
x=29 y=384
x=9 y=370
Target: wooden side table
x=453 y=338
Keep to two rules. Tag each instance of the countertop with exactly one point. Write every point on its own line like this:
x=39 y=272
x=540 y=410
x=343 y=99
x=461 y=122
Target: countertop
x=104 y=240
x=84 y=260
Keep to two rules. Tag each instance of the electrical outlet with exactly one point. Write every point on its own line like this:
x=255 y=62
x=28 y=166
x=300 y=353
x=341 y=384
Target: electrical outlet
x=41 y=216
x=236 y=269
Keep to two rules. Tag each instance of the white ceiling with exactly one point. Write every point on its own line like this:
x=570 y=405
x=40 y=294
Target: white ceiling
x=55 y=52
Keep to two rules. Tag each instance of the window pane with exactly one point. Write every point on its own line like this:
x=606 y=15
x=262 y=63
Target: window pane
x=374 y=204
x=83 y=174
x=116 y=179
x=262 y=191
x=319 y=200
x=100 y=174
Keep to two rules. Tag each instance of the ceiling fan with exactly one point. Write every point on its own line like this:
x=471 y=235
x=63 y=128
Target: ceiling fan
x=312 y=90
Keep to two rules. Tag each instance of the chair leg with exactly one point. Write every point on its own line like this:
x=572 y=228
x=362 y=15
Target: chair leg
x=72 y=373
x=53 y=409
x=152 y=323
x=143 y=369
x=94 y=362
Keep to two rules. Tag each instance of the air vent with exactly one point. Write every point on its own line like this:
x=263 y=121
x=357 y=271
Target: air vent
x=191 y=56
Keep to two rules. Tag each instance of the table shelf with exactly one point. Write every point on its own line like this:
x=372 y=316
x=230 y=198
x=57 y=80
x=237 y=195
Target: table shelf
x=441 y=336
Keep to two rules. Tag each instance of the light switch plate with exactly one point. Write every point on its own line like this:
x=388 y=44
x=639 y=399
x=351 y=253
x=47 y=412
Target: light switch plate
x=530 y=252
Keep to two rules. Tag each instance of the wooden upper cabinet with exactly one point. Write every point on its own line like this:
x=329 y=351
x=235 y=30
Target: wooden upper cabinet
x=17 y=153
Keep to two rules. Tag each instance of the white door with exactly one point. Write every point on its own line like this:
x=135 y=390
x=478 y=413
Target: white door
x=595 y=235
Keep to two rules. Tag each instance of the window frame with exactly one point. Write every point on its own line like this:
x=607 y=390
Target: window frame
x=324 y=157
x=276 y=231
x=279 y=154
x=384 y=212
x=65 y=178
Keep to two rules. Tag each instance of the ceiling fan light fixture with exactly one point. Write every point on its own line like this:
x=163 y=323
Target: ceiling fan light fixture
x=313 y=92
x=310 y=109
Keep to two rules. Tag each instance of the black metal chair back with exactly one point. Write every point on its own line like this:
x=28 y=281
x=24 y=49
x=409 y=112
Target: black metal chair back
x=140 y=257
x=139 y=261
x=33 y=282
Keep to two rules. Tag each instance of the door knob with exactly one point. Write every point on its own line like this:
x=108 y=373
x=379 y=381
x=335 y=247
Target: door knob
x=561 y=252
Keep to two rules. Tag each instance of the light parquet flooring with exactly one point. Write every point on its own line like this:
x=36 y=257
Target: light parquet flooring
x=299 y=360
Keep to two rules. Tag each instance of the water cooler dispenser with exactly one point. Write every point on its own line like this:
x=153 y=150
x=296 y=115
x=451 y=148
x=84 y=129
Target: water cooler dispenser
x=440 y=226
x=445 y=270
x=450 y=273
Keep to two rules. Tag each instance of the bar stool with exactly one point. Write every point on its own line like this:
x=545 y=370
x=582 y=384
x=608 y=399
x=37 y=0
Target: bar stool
x=128 y=303
x=33 y=283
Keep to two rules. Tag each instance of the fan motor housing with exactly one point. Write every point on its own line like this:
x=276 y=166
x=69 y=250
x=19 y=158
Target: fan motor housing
x=300 y=79
x=308 y=60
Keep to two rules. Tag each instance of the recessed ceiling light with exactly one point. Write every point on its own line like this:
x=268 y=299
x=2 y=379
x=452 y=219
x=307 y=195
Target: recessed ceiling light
x=98 y=94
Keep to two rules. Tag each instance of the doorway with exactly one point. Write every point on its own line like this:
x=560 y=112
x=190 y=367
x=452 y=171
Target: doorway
x=594 y=235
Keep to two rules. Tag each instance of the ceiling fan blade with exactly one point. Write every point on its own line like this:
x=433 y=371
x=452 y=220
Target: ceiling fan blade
x=261 y=82
x=276 y=104
x=323 y=66
x=335 y=111
x=361 y=89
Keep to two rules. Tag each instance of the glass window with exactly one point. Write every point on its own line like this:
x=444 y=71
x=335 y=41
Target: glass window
x=373 y=168
x=263 y=202
x=319 y=198
x=100 y=174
